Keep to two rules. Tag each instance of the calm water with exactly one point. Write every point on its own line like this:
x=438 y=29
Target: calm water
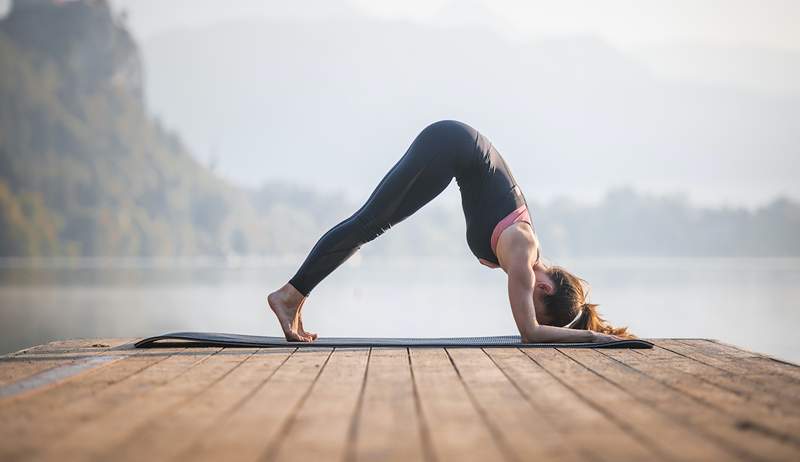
x=753 y=303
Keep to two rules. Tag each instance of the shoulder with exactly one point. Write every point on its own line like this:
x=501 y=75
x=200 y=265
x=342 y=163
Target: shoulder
x=517 y=245
x=516 y=235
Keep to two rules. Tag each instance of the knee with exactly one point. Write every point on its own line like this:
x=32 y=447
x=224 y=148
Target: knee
x=370 y=228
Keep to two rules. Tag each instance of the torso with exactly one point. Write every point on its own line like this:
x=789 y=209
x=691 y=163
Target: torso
x=490 y=197
x=518 y=227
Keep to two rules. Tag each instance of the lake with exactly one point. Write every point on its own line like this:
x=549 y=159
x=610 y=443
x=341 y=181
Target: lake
x=752 y=303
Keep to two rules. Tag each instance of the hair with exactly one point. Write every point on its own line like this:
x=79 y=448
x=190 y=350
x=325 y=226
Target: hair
x=569 y=299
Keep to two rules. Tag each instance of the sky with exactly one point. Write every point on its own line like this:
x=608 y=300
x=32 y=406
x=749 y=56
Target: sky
x=627 y=24
x=732 y=35
x=722 y=74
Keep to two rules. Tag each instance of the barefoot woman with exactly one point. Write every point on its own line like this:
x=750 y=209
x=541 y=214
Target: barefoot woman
x=548 y=303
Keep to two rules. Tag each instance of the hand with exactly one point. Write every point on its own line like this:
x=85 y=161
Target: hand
x=599 y=337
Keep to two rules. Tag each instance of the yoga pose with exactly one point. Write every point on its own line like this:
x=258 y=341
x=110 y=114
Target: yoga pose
x=548 y=303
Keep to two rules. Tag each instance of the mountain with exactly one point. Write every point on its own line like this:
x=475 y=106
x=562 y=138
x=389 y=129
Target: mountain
x=86 y=170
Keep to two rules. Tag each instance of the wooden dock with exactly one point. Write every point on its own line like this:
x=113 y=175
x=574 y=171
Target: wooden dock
x=696 y=400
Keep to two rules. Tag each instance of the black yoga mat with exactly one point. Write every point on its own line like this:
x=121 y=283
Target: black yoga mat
x=211 y=339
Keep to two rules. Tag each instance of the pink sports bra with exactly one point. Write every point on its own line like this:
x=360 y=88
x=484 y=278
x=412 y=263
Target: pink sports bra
x=520 y=214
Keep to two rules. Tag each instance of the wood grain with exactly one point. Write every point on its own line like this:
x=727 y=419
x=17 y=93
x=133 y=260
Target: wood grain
x=686 y=400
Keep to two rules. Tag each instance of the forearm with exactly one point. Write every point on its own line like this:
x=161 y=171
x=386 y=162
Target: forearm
x=521 y=283
x=551 y=334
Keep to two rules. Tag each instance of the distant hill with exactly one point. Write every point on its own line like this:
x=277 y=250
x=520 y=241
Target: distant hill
x=85 y=170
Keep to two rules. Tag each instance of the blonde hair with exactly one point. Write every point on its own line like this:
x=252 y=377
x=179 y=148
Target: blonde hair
x=568 y=305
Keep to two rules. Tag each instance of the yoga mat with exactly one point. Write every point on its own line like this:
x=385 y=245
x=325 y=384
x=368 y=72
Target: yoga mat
x=211 y=339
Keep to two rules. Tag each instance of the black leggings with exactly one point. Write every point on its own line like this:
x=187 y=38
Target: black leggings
x=442 y=151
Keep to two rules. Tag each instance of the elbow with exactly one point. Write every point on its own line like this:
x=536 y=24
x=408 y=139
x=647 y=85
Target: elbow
x=531 y=335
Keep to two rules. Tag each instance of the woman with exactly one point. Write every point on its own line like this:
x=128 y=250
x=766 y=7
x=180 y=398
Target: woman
x=499 y=233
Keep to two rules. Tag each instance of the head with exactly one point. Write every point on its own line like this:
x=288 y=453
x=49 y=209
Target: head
x=560 y=299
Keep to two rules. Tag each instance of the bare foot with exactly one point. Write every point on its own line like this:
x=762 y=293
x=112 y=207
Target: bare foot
x=286 y=303
x=300 y=319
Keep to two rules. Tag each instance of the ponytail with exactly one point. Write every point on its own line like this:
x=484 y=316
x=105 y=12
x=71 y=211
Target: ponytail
x=567 y=305
x=592 y=320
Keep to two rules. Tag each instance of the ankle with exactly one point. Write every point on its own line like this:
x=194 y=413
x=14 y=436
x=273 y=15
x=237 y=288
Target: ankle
x=289 y=294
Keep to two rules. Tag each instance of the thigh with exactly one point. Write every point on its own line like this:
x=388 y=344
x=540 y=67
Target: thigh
x=422 y=173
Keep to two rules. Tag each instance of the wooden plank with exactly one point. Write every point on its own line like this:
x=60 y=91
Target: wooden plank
x=25 y=363
x=54 y=376
x=702 y=345
x=16 y=370
x=595 y=434
x=754 y=369
x=522 y=430
x=96 y=437
x=658 y=431
x=701 y=419
x=75 y=345
x=388 y=427
x=320 y=428
x=86 y=428
x=733 y=359
x=748 y=361
x=253 y=427
x=454 y=427
x=164 y=436
x=28 y=424
x=748 y=412
x=785 y=401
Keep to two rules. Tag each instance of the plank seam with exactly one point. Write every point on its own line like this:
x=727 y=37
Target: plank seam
x=502 y=444
x=724 y=445
x=726 y=371
x=77 y=428
x=52 y=376
x=178 y=404
x=750 y=425
x=582 y=451
x=631 y=430
x=755 y=355
x=272 y=449
x=425 y=437
x=61 y=383
x=196 y=442
x=352 y=431
x=758 y=386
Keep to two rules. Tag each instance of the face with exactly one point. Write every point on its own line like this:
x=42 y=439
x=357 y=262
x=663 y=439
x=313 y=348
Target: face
x=544 y=286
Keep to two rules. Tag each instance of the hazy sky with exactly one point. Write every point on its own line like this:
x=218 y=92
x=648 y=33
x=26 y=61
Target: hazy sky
x=688 y=95
x=730 y=42
x=750 y=45
x=628 y=24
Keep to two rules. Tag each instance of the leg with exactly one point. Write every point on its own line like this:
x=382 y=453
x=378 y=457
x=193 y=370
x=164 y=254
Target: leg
x=424 y=171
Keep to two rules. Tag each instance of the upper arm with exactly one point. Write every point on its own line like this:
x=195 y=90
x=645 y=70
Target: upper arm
x=521 y=281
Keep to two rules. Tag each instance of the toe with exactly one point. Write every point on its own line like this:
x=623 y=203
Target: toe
x=294 y=337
